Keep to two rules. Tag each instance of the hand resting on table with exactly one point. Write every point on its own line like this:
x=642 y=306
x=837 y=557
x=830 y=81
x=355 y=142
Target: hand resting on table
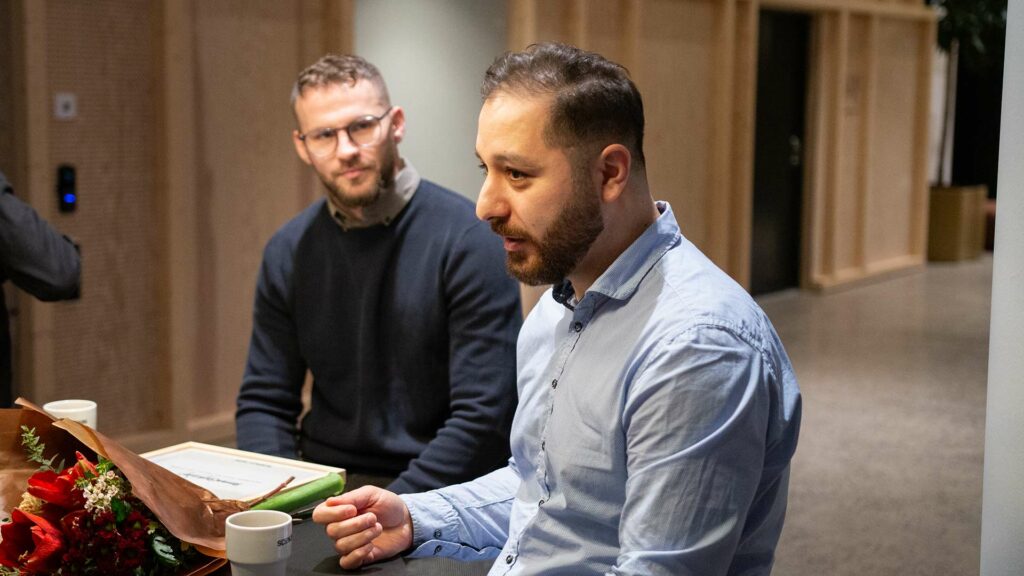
x=367 y=525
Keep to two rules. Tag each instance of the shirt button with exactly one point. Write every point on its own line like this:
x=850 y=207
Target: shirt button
x=578 y=326
x=554 y=383
x=509 y=559
x=437 y=534
x=437 y=550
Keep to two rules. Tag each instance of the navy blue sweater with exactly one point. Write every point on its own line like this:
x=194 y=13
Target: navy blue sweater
x=409 y=333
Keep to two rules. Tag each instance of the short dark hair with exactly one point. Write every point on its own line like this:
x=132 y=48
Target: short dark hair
x=595 y=102
x=339 y=69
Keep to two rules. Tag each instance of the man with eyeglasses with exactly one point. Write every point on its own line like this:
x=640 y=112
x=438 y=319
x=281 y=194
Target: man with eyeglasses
x=391 y=294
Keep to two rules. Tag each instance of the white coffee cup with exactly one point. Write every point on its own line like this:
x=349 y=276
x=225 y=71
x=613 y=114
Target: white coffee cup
x=83 y=411
x=259 y=542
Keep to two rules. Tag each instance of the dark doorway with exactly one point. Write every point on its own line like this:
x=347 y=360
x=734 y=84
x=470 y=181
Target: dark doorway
x=779 y=150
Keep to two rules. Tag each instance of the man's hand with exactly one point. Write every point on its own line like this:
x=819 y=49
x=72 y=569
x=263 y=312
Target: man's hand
x=367 y=525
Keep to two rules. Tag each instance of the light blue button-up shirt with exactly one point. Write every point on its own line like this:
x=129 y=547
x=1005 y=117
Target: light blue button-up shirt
x=654 y=432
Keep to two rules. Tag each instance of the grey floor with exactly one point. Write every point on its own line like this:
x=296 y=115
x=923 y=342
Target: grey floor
x=887 y=477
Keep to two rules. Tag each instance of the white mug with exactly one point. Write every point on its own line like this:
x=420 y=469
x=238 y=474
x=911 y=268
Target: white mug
x=83 y=411
x=259 y=542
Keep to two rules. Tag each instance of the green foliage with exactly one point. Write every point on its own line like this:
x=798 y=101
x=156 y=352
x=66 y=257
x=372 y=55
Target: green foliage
x=978 y=25
x=120 y=508
x=35 y=448
x=5 y=571
x=104 y=465
x=164 y=551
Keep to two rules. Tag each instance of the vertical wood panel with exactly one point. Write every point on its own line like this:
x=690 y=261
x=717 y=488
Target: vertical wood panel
x=246 y=172
x=608 y=30
x=109 y=345
x=34 y=362
x=722 y=101
x=579 y=22
x=891 y=202
x=846 y=230
x=554 y=21
x=870 y=102
x=919 y=206
x=632 y=36
x=176 y=179
x=522 y=23
x=742 y=162
x=835 y=154
x=676 y=78
x=814 y=175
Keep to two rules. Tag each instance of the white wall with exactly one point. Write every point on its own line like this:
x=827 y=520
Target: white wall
x=433 y=56
x=1002 y=512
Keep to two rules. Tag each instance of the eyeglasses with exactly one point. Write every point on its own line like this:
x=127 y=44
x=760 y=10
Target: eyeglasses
x=363 y=132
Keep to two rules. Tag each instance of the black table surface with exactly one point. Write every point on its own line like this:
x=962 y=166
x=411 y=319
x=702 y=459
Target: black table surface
x=313 y=553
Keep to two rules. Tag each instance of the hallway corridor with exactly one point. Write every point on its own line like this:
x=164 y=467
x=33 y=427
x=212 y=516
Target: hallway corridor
x=887 y=478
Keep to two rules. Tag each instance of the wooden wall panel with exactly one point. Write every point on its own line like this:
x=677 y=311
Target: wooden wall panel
x=695 y=63
x=555 y=21
x=848 y=226
x=7 y=88
x=741 y=213
x=185 y=167
x=675 y=74
x=891 y=199
x=602 y=28
x=109 y=345
x=249 y=179
x=826 y=162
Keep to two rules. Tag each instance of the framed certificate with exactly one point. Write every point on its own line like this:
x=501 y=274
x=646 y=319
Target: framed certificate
x=235 y=474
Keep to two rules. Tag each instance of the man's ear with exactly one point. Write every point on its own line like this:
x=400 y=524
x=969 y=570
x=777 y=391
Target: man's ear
x=300 y=147
x=398 y=123
x=614 y=165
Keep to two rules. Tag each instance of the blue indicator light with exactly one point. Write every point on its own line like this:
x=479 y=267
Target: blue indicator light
x=69 y=198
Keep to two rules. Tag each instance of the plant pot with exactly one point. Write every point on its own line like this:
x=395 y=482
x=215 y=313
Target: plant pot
x=956 y=222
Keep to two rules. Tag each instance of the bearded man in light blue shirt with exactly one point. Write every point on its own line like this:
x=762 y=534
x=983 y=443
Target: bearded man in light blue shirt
x=658 y=411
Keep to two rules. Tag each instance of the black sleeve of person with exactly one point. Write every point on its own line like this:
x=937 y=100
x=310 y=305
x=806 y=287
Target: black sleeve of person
x=33 y=255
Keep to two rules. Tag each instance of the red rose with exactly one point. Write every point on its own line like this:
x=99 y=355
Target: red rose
x=30 y=543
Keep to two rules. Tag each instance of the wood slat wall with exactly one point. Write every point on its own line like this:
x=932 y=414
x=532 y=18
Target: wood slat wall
x=695 y=63
x=185 y=169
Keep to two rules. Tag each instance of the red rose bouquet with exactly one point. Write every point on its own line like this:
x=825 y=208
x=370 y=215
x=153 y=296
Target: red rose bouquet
x=83 y=519
x=109 y=513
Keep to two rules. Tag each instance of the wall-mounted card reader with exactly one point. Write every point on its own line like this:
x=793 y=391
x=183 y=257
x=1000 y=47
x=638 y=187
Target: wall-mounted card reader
x=67 y=188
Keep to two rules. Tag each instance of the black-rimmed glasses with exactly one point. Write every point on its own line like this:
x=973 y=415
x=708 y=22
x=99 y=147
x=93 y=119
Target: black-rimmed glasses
x=363 y=132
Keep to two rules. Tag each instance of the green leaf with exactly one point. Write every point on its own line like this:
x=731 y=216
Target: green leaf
x=304 y=495
x=164 y=551
x=32 y=444
x=120 y=509
x=103 y=465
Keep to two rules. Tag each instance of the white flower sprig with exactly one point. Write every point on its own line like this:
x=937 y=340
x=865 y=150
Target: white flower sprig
x=101 y=490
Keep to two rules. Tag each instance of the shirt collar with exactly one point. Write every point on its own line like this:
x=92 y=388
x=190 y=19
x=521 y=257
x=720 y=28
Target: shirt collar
x=386 y=208
x=622 y=278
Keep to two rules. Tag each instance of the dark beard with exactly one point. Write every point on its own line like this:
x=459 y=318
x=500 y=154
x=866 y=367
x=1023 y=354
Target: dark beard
x=385 y=180
x=566 y=242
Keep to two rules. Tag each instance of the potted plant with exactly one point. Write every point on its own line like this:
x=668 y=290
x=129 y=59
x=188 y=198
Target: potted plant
x=971 y=32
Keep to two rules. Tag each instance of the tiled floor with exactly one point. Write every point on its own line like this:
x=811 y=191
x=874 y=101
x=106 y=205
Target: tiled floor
x=887 y=477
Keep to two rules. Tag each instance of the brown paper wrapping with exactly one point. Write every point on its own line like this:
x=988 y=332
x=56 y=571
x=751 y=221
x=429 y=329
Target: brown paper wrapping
x=190 y=512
